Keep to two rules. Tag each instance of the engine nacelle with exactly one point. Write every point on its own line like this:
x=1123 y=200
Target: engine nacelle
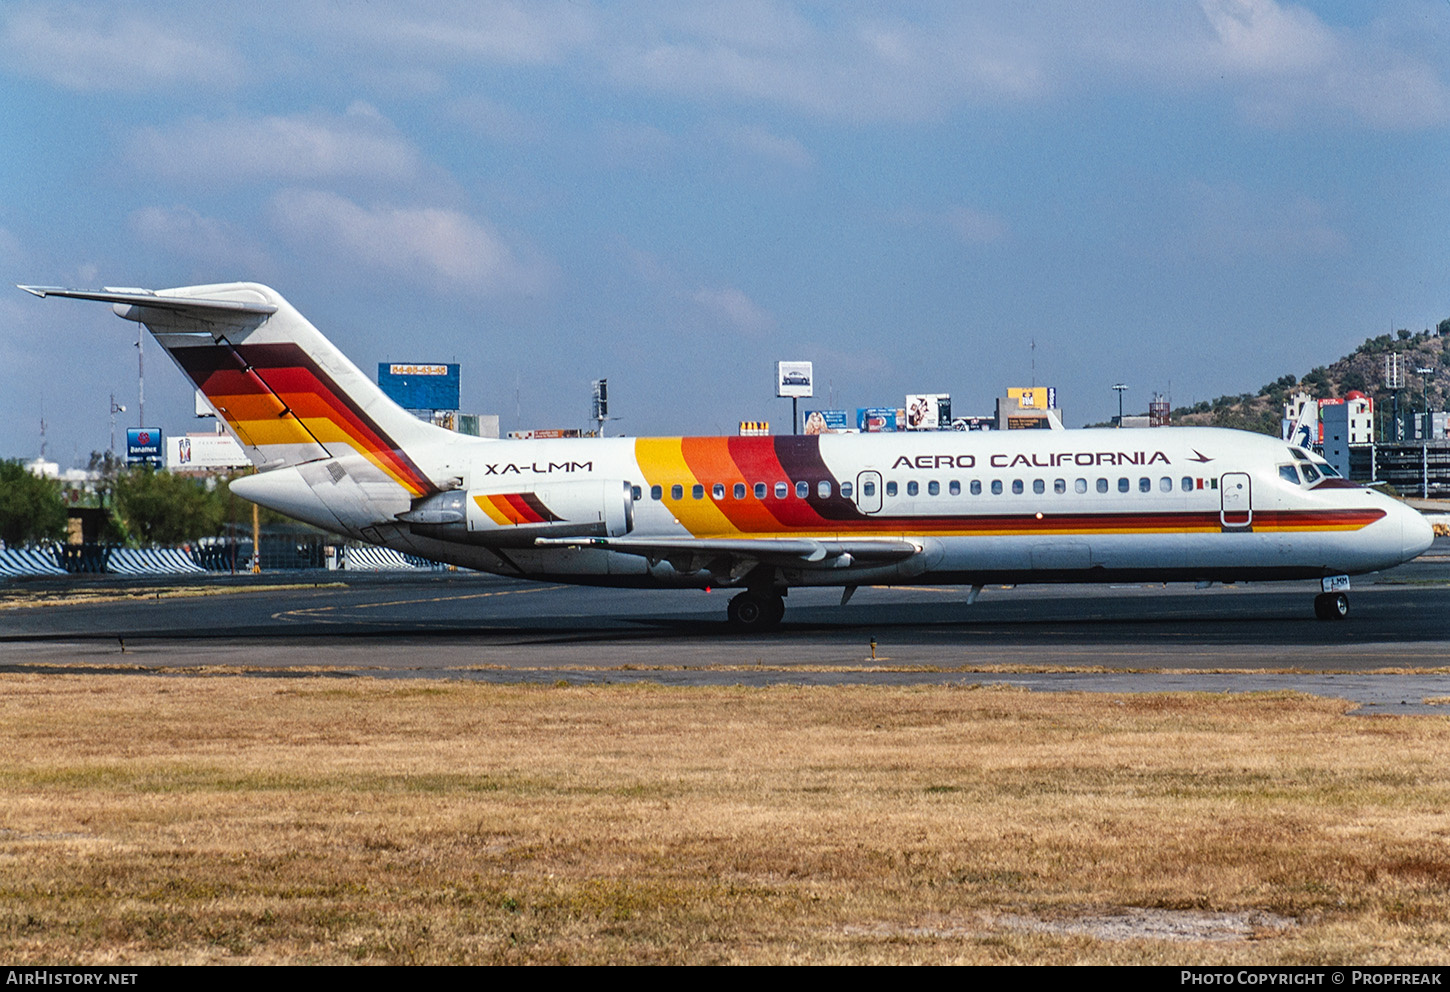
x=514 y=517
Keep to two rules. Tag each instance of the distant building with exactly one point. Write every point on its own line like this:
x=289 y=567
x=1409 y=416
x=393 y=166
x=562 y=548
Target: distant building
x=1345 y=423
x=1413 y=469
x=1029 y=408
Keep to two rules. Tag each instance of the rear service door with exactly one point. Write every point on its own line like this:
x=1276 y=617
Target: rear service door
x=1237 y=508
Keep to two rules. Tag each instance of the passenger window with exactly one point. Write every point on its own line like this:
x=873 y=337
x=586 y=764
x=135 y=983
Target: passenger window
x=954 y=488
x=976 y=487
x=891 y=488
x=1039 y=487
x=635 y=493
x=1145 y=485
x=996 y=487
x=846 y=490
x=1102 y=485
x=760 y=490
x=1079 y=486
x=823 y=489
x=802 y=490
x=911 y=488
x=1059 y=486
x=1187 y=483
x=1122 y=485
x=718 y=490
x=677 y=492
x=1017 y=487
x=781 y=490
x=1165 y=484
x=656 y=492
x=1289 y=474
x=739 y=491
x=697 y=492
x=933 y=488
x=868 y=489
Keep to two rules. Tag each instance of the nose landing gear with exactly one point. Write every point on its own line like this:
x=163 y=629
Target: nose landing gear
x=1331 y=606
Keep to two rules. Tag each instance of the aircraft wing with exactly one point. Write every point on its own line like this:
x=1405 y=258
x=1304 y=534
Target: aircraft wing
x=734 y=557
x=150 y=300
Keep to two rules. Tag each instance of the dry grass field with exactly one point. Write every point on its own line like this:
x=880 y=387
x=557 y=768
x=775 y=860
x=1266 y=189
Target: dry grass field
x=149 y=819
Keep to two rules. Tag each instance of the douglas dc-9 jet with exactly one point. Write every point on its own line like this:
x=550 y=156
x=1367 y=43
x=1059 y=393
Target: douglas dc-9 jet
x=761 y=514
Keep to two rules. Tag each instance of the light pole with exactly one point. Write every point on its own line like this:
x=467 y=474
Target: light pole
x=1425 y=374
x=1122 y=388
x=115 y=409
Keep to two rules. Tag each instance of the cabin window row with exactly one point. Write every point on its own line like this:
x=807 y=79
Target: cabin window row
x=760 y=490
x=825 y=489
x=1018 y=487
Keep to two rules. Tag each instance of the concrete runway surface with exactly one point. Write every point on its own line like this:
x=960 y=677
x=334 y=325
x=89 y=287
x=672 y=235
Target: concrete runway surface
x=1143 y=638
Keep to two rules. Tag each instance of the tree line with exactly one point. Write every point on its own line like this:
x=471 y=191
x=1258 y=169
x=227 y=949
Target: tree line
x=143 y=507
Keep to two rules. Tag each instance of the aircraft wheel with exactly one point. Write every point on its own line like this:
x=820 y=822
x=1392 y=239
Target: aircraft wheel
x=1331 y=606
x=755 y=611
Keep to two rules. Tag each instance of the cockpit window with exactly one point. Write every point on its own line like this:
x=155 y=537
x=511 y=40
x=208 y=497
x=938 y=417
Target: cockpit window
x=1300 y=454
x=1289 y=474
x=1330 y=472
x=1311 y=474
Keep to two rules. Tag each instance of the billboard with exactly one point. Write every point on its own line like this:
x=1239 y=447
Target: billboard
x=928 y=411
x=420 y=386
x=545 y=433
x=794 y=379
x=827 y=422
x=1034 y=397
x=204 y=451
x=143 y=446
x=874 y=419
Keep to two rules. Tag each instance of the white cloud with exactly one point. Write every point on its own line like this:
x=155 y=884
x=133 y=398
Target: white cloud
x=359 y=143
x=736 y=310
x=1287 y=67
x=206 y=241
x=10 y=253
x=761 y=143
x=441 y=248
x=1227 y=222
x=846 y=64
x=975 y=227
x=495 y=31
x=91 y=49
x=969 y=225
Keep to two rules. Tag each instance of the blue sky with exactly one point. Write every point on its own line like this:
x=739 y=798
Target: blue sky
x=1190 y=196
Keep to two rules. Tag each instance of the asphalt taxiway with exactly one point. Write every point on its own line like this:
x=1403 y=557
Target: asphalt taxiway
x=463 y=625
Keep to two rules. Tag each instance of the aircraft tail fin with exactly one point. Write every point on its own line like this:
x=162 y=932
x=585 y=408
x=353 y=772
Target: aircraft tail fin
x=1305 y=432
x=285 y=392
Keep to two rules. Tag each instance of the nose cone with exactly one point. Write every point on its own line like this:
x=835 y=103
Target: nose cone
x=1416 y=533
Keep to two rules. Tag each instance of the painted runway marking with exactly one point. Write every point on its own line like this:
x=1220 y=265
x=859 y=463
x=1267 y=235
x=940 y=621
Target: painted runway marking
x=311 y=613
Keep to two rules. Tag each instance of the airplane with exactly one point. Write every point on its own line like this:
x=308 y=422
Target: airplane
x=762 y=514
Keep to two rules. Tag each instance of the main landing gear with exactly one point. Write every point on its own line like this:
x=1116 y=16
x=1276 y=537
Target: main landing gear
x=755 y=610
x=1331 y=606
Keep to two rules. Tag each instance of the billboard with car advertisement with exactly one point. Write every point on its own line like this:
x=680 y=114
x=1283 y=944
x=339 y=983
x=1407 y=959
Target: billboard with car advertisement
x=794 y=379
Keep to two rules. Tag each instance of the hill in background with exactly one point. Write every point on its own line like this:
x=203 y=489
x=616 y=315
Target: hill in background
x=1363 y=370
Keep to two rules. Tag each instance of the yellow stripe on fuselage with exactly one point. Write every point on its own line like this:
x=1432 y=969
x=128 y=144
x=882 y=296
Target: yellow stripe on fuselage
x=663 y=462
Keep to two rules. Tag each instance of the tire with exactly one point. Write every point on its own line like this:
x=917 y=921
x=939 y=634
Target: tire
x=1331 y=606
x=755 y=611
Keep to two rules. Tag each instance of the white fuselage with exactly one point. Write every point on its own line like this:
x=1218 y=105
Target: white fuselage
x=1020 y=506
